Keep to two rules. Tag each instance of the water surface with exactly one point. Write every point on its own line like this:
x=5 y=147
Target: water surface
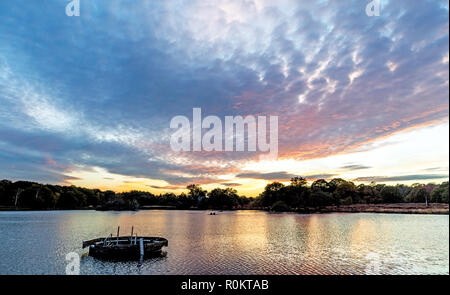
x=238 y=242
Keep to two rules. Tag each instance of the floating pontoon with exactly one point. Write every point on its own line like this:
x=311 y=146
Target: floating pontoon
x=125 y=247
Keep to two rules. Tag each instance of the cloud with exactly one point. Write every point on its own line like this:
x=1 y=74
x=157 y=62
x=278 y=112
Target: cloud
x=167 y=187
x=231 y=184
x=436 y=169
x=355 y=167
x=417 y=177
x=319 y=176
x=102 y=91
x=281 y=176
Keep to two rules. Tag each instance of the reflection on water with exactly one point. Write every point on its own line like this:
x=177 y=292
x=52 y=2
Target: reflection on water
x=239 y=242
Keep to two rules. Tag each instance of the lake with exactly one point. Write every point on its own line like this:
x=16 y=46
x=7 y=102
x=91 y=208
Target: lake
x=235 y=242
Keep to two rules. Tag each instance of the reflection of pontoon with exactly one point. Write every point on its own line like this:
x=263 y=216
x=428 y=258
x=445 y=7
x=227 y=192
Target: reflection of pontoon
x=130 y=247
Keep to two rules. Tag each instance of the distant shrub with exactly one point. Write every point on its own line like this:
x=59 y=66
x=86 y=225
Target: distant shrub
x=320 y=199
x=279 y=206
x=440 y=193
x=418 y=195
x=347 y=201
x=391 y=194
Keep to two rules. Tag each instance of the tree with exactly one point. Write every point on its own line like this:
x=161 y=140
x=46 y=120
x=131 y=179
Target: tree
x=107 y=196
x=167 y=199
x=295 y=195
x=322 y=185
x=28 y=198
x=279 y=206
x=222 y=198
x=369 y=193
x=6 y=193
x=47 y=198
x=142 y=198
x=419 y=194
x=196 y=193
x=184 y=202
x=36 y=196
x=391 y=194
x=346 y=190
x=92 y=196
x=320 y=199
x=68 y=200
x=404 y=190
x=440 y=193
x=334 y=183
x=298 y=181
x=244 y=201
x=321 y=194
x=271 y=194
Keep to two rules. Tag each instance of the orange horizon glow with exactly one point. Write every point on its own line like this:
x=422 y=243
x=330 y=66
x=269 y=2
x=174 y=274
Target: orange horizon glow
x=390 y=148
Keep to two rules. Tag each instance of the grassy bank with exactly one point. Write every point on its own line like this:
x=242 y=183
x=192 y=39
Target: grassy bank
x=403 y=208
x=399 y=208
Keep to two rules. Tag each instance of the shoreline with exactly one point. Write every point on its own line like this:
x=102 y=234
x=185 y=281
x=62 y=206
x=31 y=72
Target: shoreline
x=396 y=208
x=400 y=208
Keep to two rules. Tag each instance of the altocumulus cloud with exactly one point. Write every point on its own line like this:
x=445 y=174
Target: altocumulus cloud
x=100 y=89
x=281 y=176
x=354 y=167
x=416 y=177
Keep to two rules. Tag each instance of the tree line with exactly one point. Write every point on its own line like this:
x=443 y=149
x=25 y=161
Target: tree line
x=298 y=195
x=32 y=195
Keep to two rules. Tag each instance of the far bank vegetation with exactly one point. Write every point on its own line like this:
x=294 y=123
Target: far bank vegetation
x=297 y=196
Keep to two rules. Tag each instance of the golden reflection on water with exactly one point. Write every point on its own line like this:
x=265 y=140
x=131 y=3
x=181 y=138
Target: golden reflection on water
x=314 y=237
x=249 y=232
x=362 y=234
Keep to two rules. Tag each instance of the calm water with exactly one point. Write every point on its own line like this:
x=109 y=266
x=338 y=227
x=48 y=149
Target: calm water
x=241 y=242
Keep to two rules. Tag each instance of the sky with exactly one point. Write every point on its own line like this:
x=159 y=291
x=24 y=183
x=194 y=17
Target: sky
x=87 y=100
